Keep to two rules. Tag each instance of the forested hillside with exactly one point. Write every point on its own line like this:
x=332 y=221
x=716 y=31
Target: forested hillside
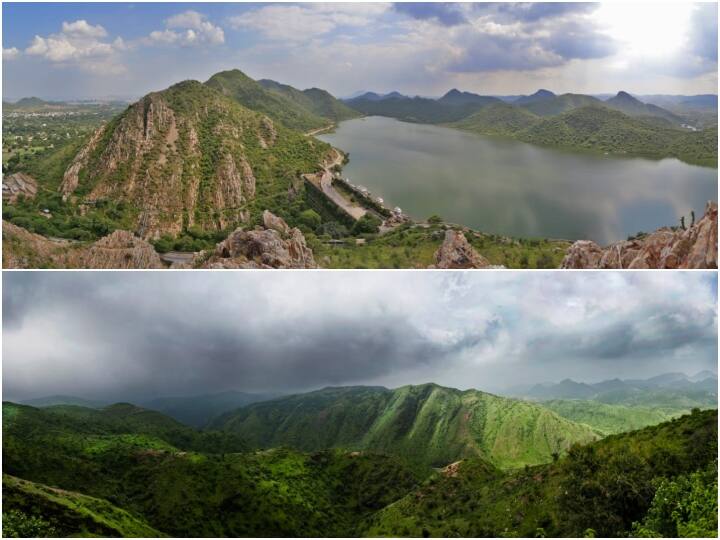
x=426 y=425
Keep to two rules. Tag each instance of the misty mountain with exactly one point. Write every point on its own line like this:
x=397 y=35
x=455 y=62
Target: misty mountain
x=670 y=391
x=197 y=411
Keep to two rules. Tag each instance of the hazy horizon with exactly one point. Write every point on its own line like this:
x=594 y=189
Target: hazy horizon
x=93 y=50
x=129 y=336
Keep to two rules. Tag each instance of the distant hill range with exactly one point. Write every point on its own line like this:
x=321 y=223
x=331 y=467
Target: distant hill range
x=619 y=125
x=696 y=390
x=195 y=411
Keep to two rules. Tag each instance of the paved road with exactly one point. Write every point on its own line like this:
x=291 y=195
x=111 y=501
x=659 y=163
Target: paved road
x=324 y=182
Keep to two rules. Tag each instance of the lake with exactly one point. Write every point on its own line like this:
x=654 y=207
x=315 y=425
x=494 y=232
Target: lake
x=511 y=188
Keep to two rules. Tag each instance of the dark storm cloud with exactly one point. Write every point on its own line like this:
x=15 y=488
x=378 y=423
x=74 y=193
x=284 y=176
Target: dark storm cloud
x=445 y=13
x=126 y=335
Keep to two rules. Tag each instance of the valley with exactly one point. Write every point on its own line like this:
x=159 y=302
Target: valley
x=185 y=170
x=357 y=461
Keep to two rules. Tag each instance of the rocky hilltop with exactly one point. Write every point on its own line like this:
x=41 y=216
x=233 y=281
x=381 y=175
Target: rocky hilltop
x=694 y=247
x=187 y=157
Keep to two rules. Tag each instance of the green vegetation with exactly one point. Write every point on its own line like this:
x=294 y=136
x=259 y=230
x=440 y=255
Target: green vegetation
x=425 y=425
x=37 y=510
x=315 y=100
x=414 y=246
x=183 y=493
x=599 y=129
x=128 y=471
x=278 y=106
x=608 y=419
x=606 y=487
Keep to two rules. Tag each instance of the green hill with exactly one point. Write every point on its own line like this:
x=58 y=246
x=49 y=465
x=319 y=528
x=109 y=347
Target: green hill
x=661 y=478
x=631 y=106
x=251 y=94
x=36 y=510
x=416 y=109
x=317 y=101
x=498 y=119
x=187 y=160
x=600 y=129
x=428 y=425
x=606 y=418
x=554 y=105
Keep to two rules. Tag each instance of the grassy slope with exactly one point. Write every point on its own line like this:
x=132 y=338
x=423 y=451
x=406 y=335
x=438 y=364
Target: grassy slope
x=605 y=486
x=427 y=425
x=251 y=94
x=607 y=418
x=69 y=513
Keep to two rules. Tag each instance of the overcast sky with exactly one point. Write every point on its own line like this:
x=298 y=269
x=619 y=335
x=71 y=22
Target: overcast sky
x=125 y=335
x=91 y=50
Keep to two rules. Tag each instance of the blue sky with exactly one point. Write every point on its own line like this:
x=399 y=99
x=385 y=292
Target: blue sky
x=127 y=49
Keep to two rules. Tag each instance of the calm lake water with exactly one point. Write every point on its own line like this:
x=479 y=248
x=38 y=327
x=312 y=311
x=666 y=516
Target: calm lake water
x=512 y=188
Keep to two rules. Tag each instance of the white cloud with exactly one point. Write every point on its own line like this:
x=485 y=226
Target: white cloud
x=79 y=44
x=300 y=23
x=187 y=29
x=81 y=28
x=10 y=54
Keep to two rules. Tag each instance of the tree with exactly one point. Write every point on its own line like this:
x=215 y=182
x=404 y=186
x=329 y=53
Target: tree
x=368 y=224
x=311 y=219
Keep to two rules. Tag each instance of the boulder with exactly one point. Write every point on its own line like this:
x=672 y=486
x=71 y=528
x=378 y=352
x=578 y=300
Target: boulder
x=274 y=246
x=456 y=252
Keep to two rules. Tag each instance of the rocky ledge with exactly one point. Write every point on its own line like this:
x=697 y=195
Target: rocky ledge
x=666 y=248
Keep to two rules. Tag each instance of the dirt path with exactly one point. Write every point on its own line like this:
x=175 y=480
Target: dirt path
x=320 y=130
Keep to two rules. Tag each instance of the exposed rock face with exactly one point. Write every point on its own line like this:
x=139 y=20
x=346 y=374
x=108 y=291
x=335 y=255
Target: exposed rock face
x=456 y=252
x=71 y=178
x=275 y=246
x=695 y=247
x=18 y=184
x=23 y=249
x=267 y=133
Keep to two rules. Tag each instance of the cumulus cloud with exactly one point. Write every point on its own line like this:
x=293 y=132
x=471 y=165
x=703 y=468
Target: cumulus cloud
x=136 y=334
x=188 y=29
x=79 y=44
x=10 y=54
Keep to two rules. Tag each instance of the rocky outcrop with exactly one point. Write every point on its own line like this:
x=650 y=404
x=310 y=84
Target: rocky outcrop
x=267 y=133
x=695 y=247
x=276 y=245
x=456 y=252
x=119 y=250
x=17 y=185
